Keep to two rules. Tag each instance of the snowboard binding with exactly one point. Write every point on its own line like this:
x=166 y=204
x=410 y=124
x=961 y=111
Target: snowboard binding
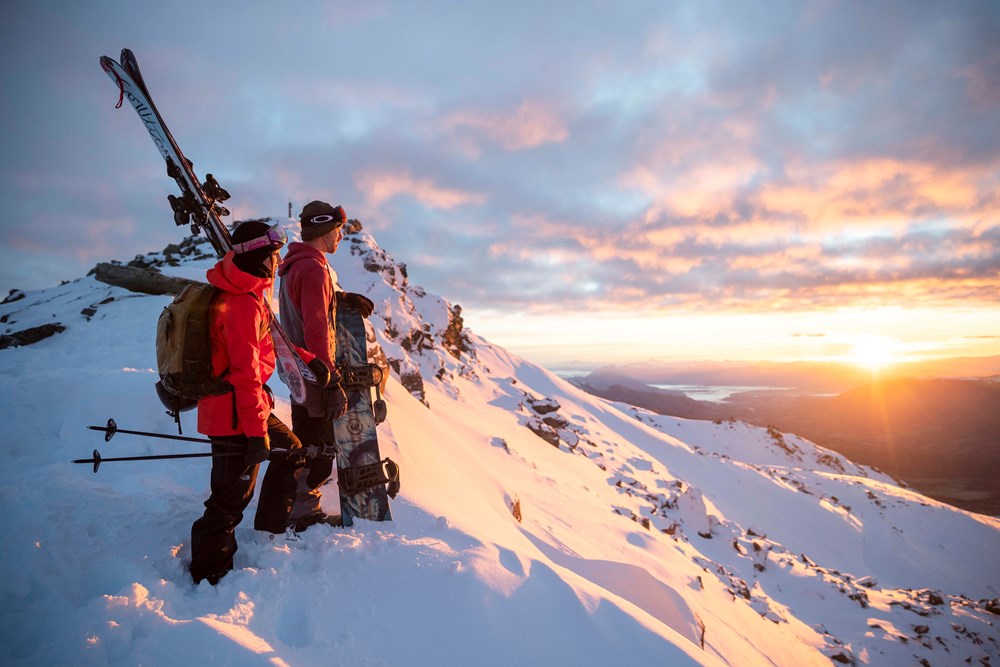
x=357 y=378
x=359 y=478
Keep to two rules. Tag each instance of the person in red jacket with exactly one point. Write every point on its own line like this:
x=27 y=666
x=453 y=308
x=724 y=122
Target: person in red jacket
x=243 y=353
x=308 y=300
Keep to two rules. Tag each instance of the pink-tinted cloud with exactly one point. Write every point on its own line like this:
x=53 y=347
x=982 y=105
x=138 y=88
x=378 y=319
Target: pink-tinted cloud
x=880 y=190
x=378 y=187
x=529 y=125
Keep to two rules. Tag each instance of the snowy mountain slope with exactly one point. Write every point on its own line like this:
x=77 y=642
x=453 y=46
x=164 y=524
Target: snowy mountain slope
x=641 y=538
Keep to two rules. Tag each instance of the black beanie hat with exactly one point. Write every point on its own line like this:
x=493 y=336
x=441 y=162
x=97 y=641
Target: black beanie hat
x=313 y=230
x=253 y=262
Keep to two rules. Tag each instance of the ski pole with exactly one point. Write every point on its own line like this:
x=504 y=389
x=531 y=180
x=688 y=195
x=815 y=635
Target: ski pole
x=112 y=428
x=98 y=459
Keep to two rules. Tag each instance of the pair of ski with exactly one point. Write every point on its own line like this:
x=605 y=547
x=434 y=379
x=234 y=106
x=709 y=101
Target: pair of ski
x=200 y=203
x=200 y=206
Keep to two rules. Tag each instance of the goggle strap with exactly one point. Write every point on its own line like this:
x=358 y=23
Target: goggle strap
x=274 y=237
x=252 y=244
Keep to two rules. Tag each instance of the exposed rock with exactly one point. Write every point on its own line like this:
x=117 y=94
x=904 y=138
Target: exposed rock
x=410 y=378
x=418 y=340
x=931 y=597
x=14 y=295
x=992 y=606
x=556 y=422
x=543 y=406
x=137 y=279
x=515 y=509
x=30 y=335
x=413 y=382
x=456 y=341
x=143 y=262
x=543 y=431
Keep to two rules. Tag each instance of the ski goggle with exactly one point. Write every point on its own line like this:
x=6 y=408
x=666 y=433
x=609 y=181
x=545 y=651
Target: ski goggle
x=275 y=237
x=339 y=216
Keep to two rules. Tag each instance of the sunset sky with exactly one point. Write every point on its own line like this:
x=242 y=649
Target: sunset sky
x=594 y=181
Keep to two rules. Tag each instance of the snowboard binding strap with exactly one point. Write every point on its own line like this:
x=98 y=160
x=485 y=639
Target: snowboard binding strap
x=360 y=376
x=364 y=376
x=356 y=479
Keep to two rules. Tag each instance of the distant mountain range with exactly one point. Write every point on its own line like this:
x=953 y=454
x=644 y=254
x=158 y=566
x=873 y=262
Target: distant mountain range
x=939 y=435
x=803 y=376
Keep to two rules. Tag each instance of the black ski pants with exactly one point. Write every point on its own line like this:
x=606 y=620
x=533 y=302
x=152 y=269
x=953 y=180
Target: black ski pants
x=318 y=432
x=213 y=539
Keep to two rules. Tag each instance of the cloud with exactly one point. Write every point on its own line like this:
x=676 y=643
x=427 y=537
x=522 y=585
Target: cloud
x=794 y=155
x=530 y=125
x=378 y=187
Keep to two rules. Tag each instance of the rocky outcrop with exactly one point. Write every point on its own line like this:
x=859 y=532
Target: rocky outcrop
x=30 y=335
x=422 y=336
x=455 y=339
x=12 y=296
x=191 y=248
x=137 y=279
x=142 y=274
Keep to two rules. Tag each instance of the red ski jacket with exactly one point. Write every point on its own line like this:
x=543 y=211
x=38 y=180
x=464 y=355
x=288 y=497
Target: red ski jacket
x=242 y=349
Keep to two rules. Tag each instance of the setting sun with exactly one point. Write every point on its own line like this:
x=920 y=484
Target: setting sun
x=874 y=352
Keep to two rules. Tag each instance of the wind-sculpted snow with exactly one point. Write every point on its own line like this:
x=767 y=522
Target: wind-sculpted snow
x=536 y=525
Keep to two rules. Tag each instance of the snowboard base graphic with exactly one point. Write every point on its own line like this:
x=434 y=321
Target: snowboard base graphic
x=362 y=473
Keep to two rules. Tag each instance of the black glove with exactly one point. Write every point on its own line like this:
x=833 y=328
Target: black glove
x=321 y=371
x=356 y=301
x=336 y=402
x=258 y=449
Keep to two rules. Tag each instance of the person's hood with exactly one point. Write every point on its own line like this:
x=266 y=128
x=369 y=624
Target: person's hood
x=298 y=252
x=227 y=276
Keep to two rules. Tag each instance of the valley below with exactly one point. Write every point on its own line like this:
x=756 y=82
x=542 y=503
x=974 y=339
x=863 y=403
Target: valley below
x=939 y=436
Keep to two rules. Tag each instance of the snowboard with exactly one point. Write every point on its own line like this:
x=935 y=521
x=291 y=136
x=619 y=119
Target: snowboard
x=361 y=472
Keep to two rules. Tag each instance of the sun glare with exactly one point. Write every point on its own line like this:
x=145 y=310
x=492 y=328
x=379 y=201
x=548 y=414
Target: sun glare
x=874 y=352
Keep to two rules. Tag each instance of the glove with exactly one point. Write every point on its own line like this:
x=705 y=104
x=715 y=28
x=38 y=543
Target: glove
x=321 y=371
x=258 y=449
x=336 y=402
x=356 y=301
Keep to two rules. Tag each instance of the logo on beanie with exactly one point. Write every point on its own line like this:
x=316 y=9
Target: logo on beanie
x=318 y=218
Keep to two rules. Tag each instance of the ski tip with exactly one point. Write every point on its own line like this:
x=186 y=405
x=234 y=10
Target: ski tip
x=106 y=63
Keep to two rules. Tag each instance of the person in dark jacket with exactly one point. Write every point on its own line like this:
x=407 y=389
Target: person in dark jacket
x=243 y=353
x=308 y=299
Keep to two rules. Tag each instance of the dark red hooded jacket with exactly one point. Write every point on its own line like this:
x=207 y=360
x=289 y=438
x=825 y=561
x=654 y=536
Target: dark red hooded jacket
x=307 y=301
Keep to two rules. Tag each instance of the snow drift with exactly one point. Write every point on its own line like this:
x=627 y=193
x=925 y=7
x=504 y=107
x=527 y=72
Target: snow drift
x=537 y=524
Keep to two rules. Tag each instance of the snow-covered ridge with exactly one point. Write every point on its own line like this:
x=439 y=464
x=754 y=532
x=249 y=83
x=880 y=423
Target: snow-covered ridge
x=537 y=524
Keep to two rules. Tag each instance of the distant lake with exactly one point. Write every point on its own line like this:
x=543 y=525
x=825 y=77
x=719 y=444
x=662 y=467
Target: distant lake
x=698 y=392
x=572 y=373
x=711 y=393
